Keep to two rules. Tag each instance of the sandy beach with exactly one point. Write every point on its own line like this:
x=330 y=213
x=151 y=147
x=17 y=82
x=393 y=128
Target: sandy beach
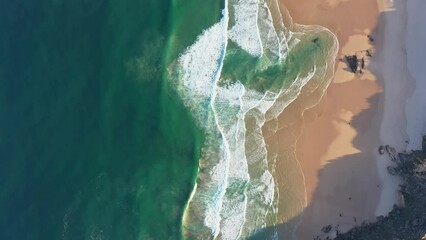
x=337 y=140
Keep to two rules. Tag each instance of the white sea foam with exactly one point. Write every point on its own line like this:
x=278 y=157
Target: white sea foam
x=198 y=68
x=235 y=189
x=245 y=31
x=267 y=32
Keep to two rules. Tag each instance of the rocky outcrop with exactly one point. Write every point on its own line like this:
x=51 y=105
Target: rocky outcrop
x=326 y=229
x=352 y=62
x=391 y=152
x=381 y=150
x=408 y=221
x=358 y=61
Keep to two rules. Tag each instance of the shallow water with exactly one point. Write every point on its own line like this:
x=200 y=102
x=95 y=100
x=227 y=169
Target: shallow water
x=241 y=73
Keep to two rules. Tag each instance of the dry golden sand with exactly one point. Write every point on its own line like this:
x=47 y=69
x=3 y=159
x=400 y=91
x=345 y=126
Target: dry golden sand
x=340 y=135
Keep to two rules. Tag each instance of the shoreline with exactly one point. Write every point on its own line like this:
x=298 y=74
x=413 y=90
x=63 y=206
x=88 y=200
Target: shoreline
x=337 y=149
x=282 y=146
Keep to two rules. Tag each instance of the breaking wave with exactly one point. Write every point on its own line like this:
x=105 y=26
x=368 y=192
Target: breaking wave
x=239 y=74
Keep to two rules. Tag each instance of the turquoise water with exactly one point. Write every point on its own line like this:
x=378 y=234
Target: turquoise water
x=240 y=74
x=142 y=119
x=94 y=144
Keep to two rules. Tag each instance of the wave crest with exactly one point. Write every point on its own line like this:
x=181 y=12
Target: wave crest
x=232 y=91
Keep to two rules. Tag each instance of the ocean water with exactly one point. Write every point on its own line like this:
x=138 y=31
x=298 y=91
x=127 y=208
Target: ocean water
x=94 y=144
x=240 y=74
x=143 y=119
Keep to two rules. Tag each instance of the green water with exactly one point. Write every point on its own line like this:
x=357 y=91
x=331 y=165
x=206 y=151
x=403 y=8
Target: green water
x=93 y=143
x=279 y=73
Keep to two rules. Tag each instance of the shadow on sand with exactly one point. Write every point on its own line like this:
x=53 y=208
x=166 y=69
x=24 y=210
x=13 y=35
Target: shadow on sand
x=341 y=201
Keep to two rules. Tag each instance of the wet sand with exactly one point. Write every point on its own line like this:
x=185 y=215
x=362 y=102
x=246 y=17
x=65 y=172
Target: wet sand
x=337 y=148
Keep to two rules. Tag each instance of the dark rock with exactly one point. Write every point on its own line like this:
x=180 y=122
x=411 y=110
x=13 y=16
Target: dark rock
x=416 y=222
x=407 y=221
x=391 y=152
x=424 y=144
x=407 y=224
x=352 y=61
x=381 y=150
x=326 y=229
x=392 y=170
x=368 y=53
x=401 y=198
